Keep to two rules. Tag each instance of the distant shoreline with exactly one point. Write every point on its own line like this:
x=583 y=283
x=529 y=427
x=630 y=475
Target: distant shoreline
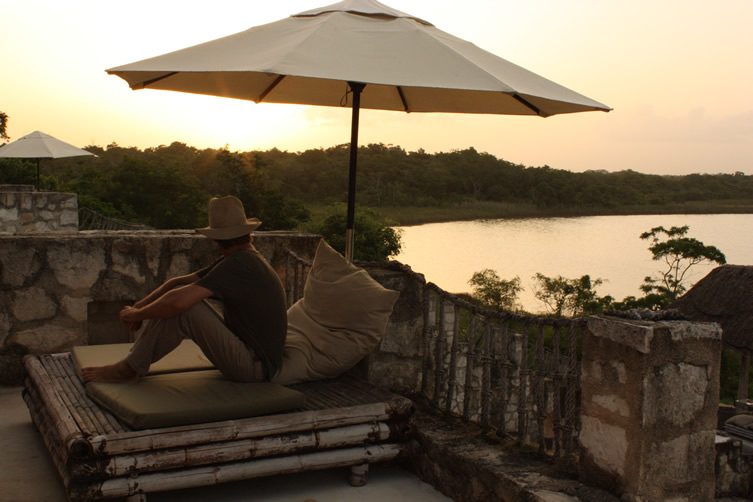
x=411 y=215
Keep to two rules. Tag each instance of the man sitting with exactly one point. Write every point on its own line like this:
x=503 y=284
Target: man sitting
x=248 y=344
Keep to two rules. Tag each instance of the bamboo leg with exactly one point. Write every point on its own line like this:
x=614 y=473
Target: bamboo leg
x=139 y=497
x=359 y=475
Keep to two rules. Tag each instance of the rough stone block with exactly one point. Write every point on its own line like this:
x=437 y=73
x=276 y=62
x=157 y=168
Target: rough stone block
x=26 y=201
x=691 y=456
x=77 y=263
x=125 y=255
x=8 y=200
x=607 y=444
x=403 y=339
x=650 y=393
x=675 y=393
x=179 y=265
x=8 y=214
x=17 y=264
x=69 y=218
x=75 y=307
x=33 y=304
x=153 y=252
x=614 y=404
x=48 y=338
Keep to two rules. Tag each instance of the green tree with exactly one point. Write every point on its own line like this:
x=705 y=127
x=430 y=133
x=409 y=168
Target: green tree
x=679 y=253
x=17 y=172
x=491 y=290
x=4 y=126
x=374 y=239
x=570 y=297
x=161 y=197
x=239 y=174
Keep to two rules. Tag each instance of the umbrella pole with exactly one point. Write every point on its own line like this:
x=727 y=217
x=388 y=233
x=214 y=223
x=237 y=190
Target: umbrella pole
x=38 y=161
x=349 y=236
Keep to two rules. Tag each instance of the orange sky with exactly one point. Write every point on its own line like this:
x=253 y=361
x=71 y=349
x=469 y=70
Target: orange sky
x=678 y=74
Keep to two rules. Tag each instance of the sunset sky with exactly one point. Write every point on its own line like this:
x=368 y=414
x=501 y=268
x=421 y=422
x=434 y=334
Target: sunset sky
x=678 y=73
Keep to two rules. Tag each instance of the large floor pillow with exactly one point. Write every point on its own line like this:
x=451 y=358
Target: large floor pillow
x=342 y=316
x=190 y=397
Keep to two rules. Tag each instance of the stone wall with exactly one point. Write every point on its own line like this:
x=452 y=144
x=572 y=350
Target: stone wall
x=23 y=211
x=53 y=286
x=398 y=363
x=650 y=393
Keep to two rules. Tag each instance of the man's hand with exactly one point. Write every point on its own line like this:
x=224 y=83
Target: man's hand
x=170 y=304
x=129 y=316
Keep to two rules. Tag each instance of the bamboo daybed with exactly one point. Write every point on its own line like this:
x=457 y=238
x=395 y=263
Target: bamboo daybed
x=344 y=423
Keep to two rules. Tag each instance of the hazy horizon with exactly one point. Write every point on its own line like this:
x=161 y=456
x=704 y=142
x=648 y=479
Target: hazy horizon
x=677 y=73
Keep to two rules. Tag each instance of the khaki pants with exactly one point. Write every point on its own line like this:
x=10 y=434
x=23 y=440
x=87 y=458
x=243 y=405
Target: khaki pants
x=203 y=325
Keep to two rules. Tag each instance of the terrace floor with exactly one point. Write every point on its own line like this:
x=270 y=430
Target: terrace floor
x=27 y=474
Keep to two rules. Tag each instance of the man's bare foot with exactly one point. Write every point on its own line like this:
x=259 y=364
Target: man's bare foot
x=118 y=372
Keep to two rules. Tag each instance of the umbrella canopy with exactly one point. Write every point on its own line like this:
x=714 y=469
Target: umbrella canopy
x=38 y=145
x=357 y=53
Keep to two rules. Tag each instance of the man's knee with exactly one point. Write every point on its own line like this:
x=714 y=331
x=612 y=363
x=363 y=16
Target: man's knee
x=200 y=318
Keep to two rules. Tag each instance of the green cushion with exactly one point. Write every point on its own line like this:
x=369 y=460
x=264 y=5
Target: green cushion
x=189 y=398
x=186 y=357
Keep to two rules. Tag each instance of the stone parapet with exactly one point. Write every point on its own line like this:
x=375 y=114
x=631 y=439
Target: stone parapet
x=57 y=291
x=26 y=212
x=650 y=392
x=398 y=362
x=467 y=465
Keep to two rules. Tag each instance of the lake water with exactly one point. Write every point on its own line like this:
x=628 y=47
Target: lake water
x=606 y=247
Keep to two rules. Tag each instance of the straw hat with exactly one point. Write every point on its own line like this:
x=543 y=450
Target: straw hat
x=227 y=219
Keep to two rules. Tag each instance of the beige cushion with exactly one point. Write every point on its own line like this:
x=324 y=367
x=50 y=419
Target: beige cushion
x=189 y=398
x=186 y=357
x=742 y=420
x=342 y=316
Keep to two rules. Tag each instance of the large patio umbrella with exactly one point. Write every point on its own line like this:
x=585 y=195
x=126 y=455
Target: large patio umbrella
x=357 y=53
x=38 y=145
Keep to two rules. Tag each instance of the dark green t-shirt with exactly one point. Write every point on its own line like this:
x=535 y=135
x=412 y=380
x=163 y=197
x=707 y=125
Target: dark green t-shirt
x=254 y=303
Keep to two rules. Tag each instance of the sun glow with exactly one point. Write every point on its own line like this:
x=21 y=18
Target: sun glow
x=680 y=90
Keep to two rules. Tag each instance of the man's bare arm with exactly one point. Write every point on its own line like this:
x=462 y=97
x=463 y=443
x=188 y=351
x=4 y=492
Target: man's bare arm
x=169 y=304
x=168 y=285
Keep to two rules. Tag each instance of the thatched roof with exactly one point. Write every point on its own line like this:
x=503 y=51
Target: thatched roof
x=724 y=296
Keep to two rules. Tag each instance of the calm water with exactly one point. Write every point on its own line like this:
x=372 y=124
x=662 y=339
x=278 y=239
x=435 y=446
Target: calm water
x=606 y=247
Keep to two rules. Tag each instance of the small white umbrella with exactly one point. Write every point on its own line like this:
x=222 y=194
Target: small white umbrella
x=38 y=145
x=359 y=53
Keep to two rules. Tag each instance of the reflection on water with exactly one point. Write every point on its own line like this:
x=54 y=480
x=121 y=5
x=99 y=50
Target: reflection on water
x=606 y=247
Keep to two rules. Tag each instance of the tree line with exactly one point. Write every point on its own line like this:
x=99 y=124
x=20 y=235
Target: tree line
x=167 y=186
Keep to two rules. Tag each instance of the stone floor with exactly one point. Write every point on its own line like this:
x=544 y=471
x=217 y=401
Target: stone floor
x=27 y=474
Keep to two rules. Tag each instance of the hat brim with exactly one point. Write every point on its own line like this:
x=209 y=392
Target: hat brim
x=222 y=234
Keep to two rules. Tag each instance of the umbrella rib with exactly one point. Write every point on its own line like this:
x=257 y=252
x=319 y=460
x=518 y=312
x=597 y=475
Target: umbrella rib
x=151 y=81
x=402 y=98
x=269 y=89
x=526 y=103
